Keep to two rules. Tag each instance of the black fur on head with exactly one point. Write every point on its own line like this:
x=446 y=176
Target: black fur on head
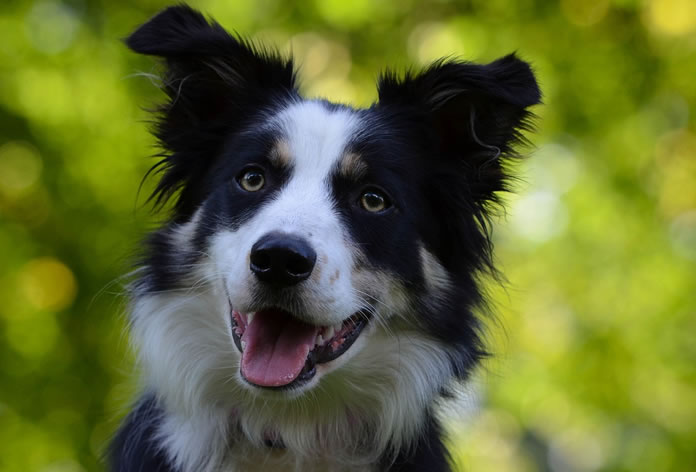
x=216 y=83
x=474 y=115
x=465 y=120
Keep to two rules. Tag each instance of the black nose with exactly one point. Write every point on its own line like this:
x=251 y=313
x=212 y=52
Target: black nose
x=282 y=259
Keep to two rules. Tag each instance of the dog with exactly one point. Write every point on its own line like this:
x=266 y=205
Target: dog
x=315 y=290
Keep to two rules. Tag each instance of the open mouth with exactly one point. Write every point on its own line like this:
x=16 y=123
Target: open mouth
x=281 y=351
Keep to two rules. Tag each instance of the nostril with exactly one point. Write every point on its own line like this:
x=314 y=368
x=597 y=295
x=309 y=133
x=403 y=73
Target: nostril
x=260 y=261
x=299 y=265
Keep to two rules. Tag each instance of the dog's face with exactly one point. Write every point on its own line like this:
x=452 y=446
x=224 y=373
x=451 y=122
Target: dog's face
x=312 y=203
x=315 y=247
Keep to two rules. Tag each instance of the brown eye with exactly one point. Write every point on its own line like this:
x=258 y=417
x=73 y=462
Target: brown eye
x=252 y=180
x=374 y=201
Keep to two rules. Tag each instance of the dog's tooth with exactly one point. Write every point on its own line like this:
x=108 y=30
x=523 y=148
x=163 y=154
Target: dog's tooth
x=244 y=345
x=319 y=340
x=329 y=332
x=250 y=316
x=338 y=327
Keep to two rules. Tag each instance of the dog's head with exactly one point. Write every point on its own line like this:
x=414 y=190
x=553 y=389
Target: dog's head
x=316 y=249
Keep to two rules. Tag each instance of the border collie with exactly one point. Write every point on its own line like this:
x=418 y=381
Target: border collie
x=314 y=292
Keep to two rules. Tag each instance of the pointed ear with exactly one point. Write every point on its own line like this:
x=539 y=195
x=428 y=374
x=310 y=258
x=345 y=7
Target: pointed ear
x=474 y=113
x=209 y=73
x=215 y=83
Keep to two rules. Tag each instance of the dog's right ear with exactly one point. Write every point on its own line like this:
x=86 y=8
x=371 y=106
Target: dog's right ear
x=214 y=82
x=207 y=68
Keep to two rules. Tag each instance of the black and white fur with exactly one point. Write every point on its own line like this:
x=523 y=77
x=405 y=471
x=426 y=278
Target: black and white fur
x=435 y=146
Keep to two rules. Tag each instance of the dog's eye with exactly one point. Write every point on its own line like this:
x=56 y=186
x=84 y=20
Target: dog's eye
x=252 y=180
x=374 y=201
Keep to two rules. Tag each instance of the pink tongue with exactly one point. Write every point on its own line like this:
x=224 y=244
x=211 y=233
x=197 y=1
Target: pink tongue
x=276 y=348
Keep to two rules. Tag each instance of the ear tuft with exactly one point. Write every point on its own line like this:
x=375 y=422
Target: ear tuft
x=185 y=39
x=508 y=79
x=475 y=113
x=170 y=30
x=516 y=81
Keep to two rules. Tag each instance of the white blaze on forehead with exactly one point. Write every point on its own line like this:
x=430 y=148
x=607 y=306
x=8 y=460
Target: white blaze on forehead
x=316 y=137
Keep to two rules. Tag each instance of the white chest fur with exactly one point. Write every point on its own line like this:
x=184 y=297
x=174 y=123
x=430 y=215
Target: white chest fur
x=249 y=459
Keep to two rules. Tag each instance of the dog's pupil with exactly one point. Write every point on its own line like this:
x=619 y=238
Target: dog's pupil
x=373 y=201
x=254 y=180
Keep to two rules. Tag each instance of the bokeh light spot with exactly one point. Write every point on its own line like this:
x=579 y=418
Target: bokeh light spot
x=51 y=26
x=20 y=168
x=671 y=17
x=555 y=167
x=335 y=89
x=313 y=53
x=48 y=284
x=431 y=41
x=585 y=13
x=319 y=58
x=683 y=234
x=539 y=216
x=575 y=450
x=46 y=95
x=493 y=443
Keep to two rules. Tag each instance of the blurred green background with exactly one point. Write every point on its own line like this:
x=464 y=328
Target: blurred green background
x=595 y=366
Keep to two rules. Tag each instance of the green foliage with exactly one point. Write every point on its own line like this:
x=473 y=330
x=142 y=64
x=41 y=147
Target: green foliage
x=596 y=363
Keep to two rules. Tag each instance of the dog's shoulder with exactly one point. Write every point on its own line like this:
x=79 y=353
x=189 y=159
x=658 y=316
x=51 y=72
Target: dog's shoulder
x=135 y=447
x=429 y=452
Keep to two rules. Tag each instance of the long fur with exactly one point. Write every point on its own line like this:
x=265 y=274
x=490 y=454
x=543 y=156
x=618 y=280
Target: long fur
x=437 y=144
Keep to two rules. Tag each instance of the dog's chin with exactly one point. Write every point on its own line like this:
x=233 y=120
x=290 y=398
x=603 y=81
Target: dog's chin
x=282 y=354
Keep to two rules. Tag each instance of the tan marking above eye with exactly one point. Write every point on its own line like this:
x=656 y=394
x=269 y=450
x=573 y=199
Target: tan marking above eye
x=280 y=155
x=352 y=166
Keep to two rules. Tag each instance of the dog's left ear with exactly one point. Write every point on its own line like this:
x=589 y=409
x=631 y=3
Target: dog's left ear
x=473 y=113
